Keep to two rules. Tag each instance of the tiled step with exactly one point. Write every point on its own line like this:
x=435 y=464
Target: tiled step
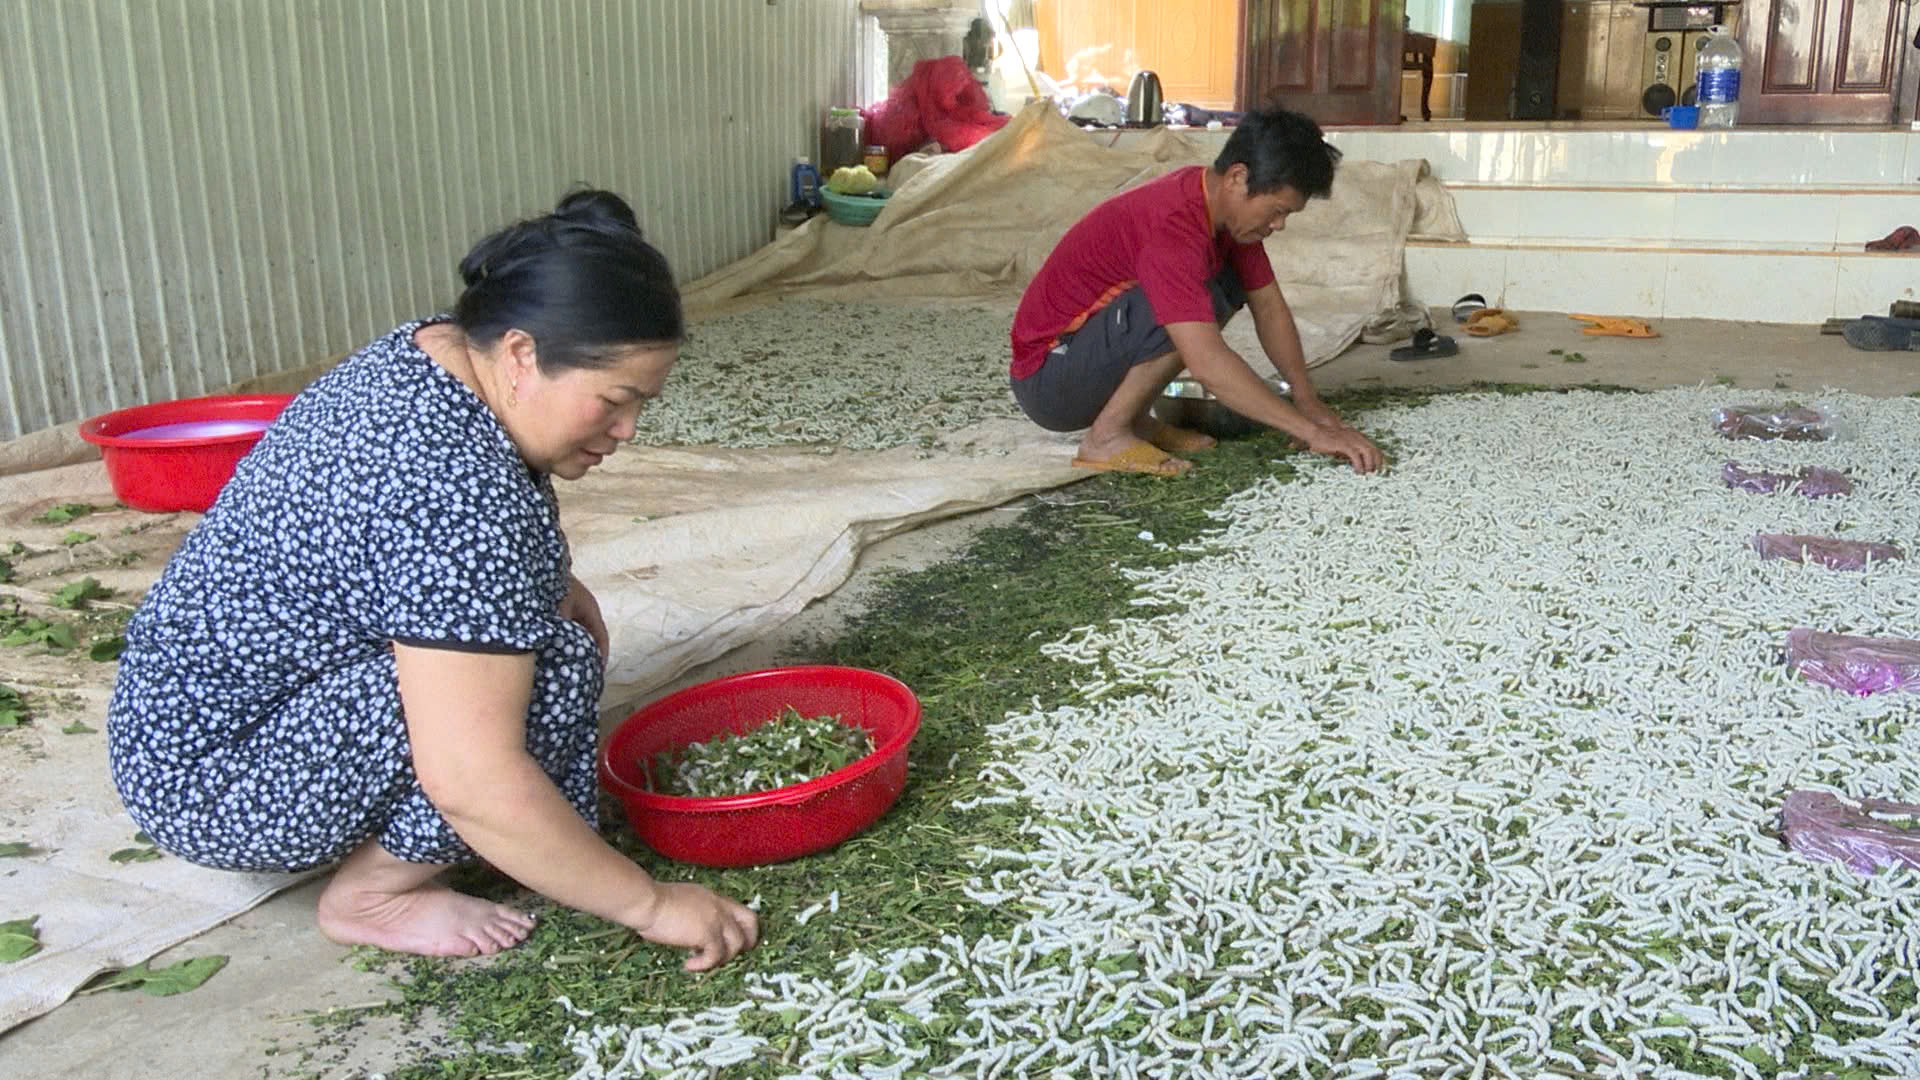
x=1651 y=156
x=1664 y=279
x=1836 y=219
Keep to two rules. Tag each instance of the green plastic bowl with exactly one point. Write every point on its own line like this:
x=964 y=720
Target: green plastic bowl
x=855 y=209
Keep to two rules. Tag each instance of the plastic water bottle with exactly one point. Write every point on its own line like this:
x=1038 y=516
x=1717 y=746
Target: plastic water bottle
x=803 y=184
x=1718 y=81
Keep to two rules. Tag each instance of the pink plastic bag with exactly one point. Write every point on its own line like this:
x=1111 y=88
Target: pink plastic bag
x=1827 y=551
x=1858 y=665
x=1820 y=826
x=1813 y=482
x=1793 y=422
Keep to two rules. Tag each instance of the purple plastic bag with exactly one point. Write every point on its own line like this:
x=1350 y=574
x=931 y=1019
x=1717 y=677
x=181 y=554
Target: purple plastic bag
x=1858 y=665
x=1814 y=482
x=1759 y=482
x=1793 y=422
x=1819 y=483
x=1828 y=551
x=1820 y=826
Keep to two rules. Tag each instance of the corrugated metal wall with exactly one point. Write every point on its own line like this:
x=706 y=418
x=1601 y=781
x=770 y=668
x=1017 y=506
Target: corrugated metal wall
x=194 y=192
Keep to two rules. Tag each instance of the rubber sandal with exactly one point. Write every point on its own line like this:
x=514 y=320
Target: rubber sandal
x=1877 y=333
x=1490 y=321
x=1426 y=345
x=1179 y=440
x=1615 y=326
x=1464 y=307
x=1139 y=458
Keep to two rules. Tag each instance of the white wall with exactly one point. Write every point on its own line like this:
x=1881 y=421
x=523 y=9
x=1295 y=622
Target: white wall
x=194 y=192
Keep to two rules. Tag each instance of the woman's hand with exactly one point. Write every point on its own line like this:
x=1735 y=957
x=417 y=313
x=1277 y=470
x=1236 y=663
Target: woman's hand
x=689 y=916
x=580 y=606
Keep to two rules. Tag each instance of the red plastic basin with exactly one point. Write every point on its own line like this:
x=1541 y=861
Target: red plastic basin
x=177 y=455
x=767 y=826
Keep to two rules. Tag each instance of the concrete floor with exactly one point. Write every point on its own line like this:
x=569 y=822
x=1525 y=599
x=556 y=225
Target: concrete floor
x=246 y=1021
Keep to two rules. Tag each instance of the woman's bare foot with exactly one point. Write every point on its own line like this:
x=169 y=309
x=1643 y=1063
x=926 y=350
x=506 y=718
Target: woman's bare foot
x=377 y=899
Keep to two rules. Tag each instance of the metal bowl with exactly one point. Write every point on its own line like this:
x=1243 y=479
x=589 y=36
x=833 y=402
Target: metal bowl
x=1185 y=403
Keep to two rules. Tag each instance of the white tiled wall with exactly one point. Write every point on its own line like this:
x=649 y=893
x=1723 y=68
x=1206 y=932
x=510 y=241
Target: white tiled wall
x=1832 y=220
x=1654 y=156
x=1655 y=283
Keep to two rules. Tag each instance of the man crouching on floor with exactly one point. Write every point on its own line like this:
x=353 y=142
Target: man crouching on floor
x=1140 y=287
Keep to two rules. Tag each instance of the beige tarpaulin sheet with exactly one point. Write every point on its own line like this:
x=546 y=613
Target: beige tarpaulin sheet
x=692 y=552
x=984 y=221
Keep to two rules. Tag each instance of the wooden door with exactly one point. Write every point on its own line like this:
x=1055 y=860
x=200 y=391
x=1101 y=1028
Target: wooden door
x=1338 y=61
x=1820 y=61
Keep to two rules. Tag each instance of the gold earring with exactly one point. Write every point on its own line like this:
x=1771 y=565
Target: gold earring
x=513 y=396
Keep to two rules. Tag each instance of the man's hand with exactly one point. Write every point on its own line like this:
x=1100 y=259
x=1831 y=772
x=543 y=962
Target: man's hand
x=1344 y=442
x=580 y=606
x=1318 y=412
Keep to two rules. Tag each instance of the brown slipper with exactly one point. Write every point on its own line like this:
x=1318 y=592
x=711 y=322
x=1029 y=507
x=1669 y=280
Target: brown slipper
x=1139 y=458
x=1490 y=321
x=1179 y=440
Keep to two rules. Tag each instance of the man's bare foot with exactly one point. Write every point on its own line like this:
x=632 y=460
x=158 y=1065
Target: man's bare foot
x=1175 y=440
x=429 y=920
x=1131 y=456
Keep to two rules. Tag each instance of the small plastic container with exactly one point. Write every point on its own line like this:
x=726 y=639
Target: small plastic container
x=1682 y=117
x=177 y=455
x=803 y=183
x=876 y=160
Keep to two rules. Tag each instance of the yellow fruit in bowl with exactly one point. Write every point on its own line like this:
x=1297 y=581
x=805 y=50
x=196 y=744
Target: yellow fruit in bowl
x=852 y=180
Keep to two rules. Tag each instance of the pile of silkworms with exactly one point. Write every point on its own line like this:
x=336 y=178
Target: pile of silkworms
x=805 y=373
x=1466 y=769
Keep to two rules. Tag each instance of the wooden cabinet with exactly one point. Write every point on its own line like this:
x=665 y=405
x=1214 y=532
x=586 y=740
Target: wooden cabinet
x=1193 y=45
x=1820 y=61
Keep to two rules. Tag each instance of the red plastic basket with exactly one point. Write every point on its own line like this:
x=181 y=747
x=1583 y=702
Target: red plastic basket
x=767 y=826
x=177 y=473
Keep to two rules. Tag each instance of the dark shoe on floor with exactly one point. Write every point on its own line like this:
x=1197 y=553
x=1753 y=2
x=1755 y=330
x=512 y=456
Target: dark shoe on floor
x=1426 y=345
x=1877 y=333
x=1464 y=307
x=1904 y=238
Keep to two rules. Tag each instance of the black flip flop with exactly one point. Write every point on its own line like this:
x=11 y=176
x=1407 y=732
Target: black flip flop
x=1426 y=345
x=1878 y=333
x=1464 y=307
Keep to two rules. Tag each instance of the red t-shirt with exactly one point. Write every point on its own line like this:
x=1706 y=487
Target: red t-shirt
x=1158 y=236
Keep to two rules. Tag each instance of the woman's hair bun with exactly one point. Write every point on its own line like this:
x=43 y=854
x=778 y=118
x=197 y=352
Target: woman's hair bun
x=577 y=281
x=591 y=206
x=588 y=209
